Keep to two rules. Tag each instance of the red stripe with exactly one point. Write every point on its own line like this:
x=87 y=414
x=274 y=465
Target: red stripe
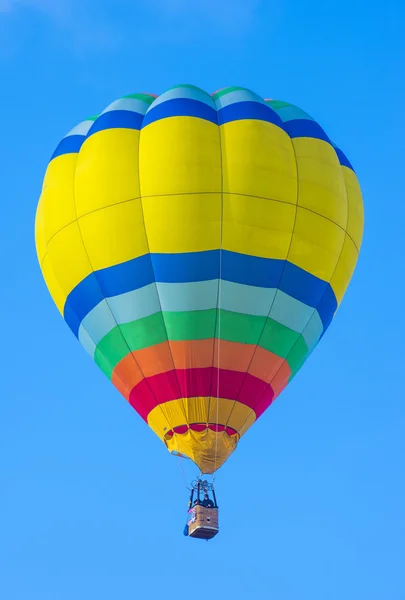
x=191 y=383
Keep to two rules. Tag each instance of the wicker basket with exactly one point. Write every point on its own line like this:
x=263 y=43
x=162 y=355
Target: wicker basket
x=203 y=522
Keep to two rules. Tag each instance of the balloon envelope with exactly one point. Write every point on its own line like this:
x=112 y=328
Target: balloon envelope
x=198 y=246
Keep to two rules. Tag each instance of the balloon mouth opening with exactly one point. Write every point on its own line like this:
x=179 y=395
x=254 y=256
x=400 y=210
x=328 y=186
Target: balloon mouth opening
x=207 y=445
x=199 y=427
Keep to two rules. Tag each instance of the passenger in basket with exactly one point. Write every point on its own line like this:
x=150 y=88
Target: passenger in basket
x=207 y=502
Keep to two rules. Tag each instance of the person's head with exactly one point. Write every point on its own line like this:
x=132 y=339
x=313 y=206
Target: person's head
x=206 y=496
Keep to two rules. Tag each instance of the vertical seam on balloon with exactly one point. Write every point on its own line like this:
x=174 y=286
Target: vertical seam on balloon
x=156 y=286
x=101 y=291
x=218 y=311
x=274 y=298
x=314 y=310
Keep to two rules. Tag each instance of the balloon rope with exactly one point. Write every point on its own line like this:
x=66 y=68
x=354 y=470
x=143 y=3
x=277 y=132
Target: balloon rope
x=219 y=333
x=219 y=362
x=221 y=219
x=183 y=474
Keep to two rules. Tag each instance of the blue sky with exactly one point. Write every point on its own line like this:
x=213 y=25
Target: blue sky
x=91 y=504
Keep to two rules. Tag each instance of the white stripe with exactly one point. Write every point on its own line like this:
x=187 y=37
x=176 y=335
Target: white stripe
x=130 y=104
x=184 y=92
x=81 y=129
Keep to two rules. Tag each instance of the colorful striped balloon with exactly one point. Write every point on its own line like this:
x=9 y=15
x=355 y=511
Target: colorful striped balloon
x=198 y=246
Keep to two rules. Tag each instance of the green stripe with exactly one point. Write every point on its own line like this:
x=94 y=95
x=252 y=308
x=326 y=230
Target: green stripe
x=199 y=325
x=297 y=356
x=143 y=97
x=228 y=90
x=186 y=85
x=277 y=104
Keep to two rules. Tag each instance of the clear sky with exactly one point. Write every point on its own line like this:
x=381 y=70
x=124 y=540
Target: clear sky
x=91 y=503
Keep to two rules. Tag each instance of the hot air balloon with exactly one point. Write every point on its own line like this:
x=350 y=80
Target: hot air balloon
x=198 y=246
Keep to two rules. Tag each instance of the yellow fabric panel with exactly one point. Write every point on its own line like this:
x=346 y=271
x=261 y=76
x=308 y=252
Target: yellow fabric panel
x=40 y=242
x=107 y=170
x=258 y=160
x=179 y=155
x=257 y=226
x=230 y=413
x=57 y=194
x=356 y=209
x=219 y=410
x=174 y=412
x=321 y=186
x=345 y=268
x=207 y=449
x=183 y=223
x=196 y=410
x=52 y=284
x=68 y=259
x=158 y=421
x=248 y=423
x=316 y=244
x=115 y=234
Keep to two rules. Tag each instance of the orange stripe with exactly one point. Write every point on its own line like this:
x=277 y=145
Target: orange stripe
x=126 y=374
x=265 y=365
x=200 y=354
x=280 y=380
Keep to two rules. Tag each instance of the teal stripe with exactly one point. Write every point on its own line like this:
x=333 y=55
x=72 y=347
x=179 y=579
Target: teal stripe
x=292 y=313
x=313 y=331
x=290 y=113
x=236 y=96
x=277 y=104
x=184 y=92
x=227 y=90
x=87 y=343
x=198 y=296
x=130 y=104
x=82 y=128
x=147 y=98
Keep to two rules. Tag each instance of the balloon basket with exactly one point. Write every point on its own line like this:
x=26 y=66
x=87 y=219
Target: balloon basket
x=204 y=523
x=202 y=520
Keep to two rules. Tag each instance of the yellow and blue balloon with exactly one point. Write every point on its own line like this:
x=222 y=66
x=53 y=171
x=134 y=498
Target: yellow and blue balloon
x=199 y=246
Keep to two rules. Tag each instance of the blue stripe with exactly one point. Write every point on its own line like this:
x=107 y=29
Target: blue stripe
x=310 y=290
x=305 y=128
x=180 y=107
x=344 y=161
x=117 y=119
x=69 y=145
x=106 y=283
x=126 y=276
x=251 y=270
x=187 y=266
x=327 y=307
x=198 y=266
x=81 y=300
x=249 y=110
